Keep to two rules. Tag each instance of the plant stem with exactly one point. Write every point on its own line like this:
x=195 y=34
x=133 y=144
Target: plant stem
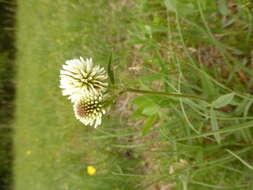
x=163 y=94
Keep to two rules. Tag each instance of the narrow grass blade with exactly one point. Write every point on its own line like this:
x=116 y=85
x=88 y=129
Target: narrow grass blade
x=241 y=160
x=226 y=130
x=110 y=70
x=217 y=186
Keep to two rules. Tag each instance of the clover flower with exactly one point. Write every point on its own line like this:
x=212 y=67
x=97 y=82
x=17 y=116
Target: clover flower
x=89 y=109
x=79 y=76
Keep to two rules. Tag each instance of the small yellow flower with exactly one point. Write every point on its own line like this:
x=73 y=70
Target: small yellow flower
x=28 y=152
x=91 y=170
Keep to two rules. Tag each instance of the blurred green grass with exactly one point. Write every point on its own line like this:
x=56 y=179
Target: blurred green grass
x=7 y=93
x=6 y=119
x=52 y=148
x=201 y=48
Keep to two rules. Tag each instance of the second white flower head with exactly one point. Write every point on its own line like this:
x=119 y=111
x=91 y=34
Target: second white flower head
x=89 y=109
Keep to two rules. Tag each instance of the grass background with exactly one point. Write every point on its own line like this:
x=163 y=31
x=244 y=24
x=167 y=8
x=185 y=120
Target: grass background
x=201 y=48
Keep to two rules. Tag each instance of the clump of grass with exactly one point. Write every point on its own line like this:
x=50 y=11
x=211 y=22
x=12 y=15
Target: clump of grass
x=192 y=48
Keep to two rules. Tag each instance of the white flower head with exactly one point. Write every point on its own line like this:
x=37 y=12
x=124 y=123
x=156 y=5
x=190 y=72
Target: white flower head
x=89 y=109
x=79 y=76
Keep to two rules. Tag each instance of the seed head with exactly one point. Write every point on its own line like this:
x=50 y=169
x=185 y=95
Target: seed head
x=89 y=109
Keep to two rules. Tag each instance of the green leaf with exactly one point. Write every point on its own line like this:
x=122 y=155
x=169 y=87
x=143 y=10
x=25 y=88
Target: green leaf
x=215 y=126
x=137 y=114
x=207 y=85
x=223 y=100
x=171 y=5
x=151 y=109
x=142 y=101
x=181 y=7
x=222 y=6
x=148 y=124
x=110 y=70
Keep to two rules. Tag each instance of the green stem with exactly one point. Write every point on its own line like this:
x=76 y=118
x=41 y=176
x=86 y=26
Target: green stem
x=163 y=94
